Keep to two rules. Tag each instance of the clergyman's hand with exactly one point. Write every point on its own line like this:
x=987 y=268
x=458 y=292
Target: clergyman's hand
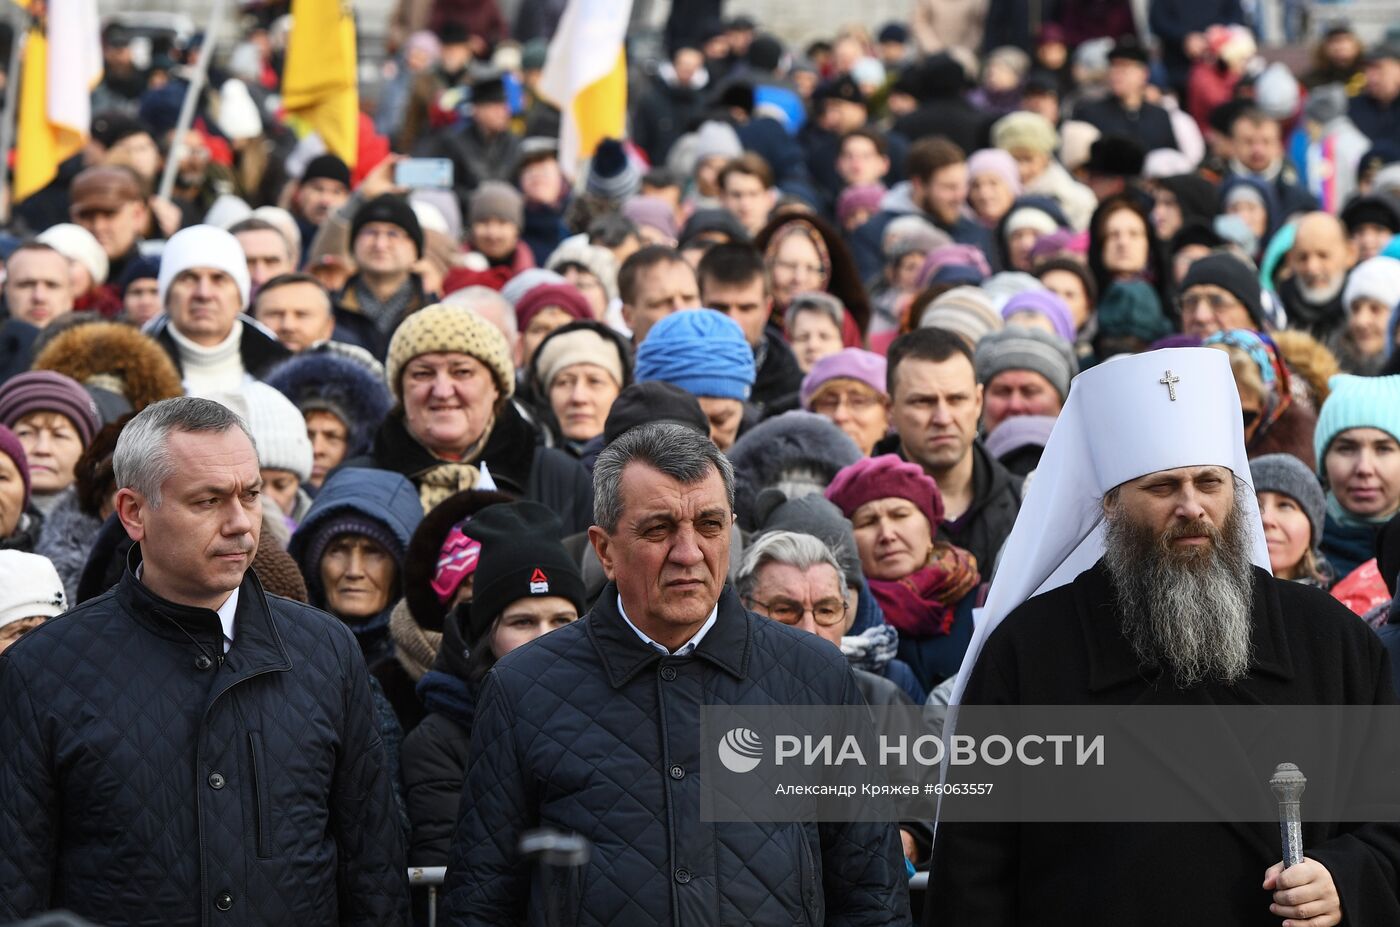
x=1304 y=894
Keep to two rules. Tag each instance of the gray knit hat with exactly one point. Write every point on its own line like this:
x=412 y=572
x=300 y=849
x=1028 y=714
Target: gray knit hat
x=1289 y=476
x=1020 y=348
x=495 y=199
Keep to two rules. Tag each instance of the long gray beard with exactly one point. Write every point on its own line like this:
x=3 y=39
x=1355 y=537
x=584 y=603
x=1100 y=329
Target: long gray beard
x=1189 y=610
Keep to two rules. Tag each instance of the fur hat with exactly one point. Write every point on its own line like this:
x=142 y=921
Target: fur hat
x=113 y=357
x=450 y=328
x=318 y=381
x=797 y=452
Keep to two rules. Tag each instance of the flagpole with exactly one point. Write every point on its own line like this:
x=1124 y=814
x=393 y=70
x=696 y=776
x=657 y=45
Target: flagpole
x=192 y=92
x=21 y=21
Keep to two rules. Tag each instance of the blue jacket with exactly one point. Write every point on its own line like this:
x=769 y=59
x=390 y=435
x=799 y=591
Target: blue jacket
x=588 y=729
x=386 y=497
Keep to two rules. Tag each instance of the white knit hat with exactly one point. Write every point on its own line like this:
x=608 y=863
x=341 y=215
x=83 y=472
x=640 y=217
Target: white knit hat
x=278 y=427
x=29 y=587
x=78 y=244
x=1375 y=278
x=204 y=246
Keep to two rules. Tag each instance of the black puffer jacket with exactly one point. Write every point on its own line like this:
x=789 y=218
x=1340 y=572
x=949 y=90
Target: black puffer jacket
x=587 y=728
x=146 y=779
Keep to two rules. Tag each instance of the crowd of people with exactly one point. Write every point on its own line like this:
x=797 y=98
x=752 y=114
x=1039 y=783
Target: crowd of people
x=303 y=454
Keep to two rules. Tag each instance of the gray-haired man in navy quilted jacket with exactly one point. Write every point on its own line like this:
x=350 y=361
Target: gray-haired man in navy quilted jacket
x=187 y=749
x=595 y=728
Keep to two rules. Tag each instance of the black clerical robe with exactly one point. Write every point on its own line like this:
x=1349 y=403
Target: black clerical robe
x=1066 y=648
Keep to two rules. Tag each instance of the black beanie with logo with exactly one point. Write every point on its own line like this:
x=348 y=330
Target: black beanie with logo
x=522 y=557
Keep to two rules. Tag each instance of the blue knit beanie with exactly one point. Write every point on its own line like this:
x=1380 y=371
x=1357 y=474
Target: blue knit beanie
x=701 y=351
x=1357 y=402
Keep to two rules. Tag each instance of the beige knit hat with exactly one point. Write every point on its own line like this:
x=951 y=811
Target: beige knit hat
x=450 y=328
x=965 y=311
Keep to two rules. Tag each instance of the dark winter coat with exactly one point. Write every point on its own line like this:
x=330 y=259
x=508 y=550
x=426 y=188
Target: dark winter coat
x=950 y=116
x=181 y=786
x=517 y=463
x=934 y=659
x=17 y=339
x=779 y=379
x=1149 y=125
x=259 y=350
x=435 y=753
x=1324 y=322
x=665 y=111
x=25 y=537
x=1062 y=648
x=589 y=729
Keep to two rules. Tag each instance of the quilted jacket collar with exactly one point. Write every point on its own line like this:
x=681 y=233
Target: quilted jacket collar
x=727 y=645
x=257 y=644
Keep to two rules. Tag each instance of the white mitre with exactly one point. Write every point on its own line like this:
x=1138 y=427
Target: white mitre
x=1128 y=417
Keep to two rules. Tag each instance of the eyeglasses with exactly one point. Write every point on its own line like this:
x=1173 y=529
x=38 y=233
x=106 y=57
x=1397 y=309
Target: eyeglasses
x=827 y=612
x=828 y=403
x=1218 y=302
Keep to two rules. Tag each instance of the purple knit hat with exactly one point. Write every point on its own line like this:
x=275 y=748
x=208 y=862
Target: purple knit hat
x=47 y=391
x=969 y=255
x=846 y=364
x=1046 y=303
x=11 y=448
x=1017 y=432
x=999 y=162
x=886 y=477
x=865 y=196
x=652 y=211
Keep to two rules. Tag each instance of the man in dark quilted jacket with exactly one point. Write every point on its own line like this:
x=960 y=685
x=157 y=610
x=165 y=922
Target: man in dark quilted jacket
x=595 y=728
x=188 y=749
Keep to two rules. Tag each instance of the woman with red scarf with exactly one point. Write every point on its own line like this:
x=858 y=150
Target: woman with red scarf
x=926 y=587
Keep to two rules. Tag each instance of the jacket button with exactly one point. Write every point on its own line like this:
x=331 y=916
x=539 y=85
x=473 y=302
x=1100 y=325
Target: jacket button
x=202 y=662
x=668 y=673
x=216 y=781
x=224 y=901
x=683 y=876
x=677 y=772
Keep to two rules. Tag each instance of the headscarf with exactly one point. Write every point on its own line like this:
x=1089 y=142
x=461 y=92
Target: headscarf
x=800 y=227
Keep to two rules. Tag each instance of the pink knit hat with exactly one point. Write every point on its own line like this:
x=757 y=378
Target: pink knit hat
x=886 y=477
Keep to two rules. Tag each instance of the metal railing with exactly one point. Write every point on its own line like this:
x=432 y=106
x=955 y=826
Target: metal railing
x=430 y=877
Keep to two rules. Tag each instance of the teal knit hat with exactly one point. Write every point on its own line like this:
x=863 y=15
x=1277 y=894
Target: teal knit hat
x=1133 y=309
x=701 y=351
x=1357 y=402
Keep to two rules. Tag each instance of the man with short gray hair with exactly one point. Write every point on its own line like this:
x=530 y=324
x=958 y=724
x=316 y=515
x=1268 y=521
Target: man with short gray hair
x=187 y=749
x=595 y=729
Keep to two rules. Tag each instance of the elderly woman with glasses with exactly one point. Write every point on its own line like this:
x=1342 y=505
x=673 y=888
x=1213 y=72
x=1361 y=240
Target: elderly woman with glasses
x=926 y=587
